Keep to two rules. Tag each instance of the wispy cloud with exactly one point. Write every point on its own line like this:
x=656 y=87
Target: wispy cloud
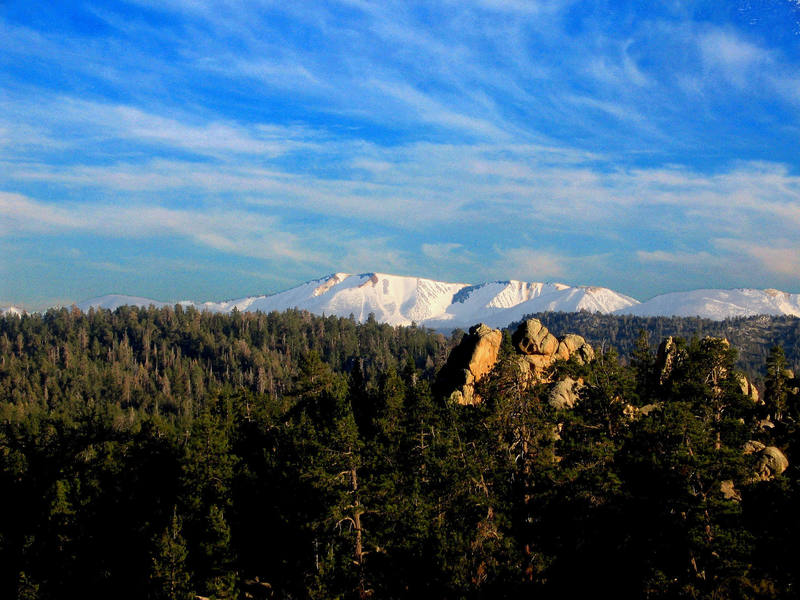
x=779 y=256
x=471 y=137
x=783 y=259
x=701 y=260
x=447 y=251
x=240 y=233
x=531 y=264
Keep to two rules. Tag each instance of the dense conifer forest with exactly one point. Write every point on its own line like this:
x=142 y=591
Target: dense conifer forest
x=753 y=337
x=169 y=453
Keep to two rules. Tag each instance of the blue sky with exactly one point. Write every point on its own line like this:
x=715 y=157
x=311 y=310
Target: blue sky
x=207 y=150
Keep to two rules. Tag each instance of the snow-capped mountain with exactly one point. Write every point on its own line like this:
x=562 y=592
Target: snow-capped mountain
x=10 y=311
x=399 y=300
x=718 y=304
x=502 y=302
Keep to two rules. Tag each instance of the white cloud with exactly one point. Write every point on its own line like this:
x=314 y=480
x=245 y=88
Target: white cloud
x=21 y=214
x=530 y=264
x=244 y=234
x=784 y=261
x=427 y=128
x=702 y=259
x=419 y=187
x=356 y=254
x=779 y=257
x=444 y=251
x=728 y=51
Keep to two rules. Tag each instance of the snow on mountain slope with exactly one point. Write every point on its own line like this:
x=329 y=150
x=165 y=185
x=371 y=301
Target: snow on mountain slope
x=502 y=302
x=569 y=299
x=10 y=311
x=718 y=304
x=392 y=299
x=399 y=300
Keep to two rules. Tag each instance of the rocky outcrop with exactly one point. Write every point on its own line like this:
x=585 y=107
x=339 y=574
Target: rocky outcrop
x=536 y=351
x=470 y=361
x=748 y=389
x=792 y=382
x=771 y=461
x=752 y=447
x=531 y=337
x=635 y=412
x=564 y=394
x=666 y=359
x=485 y=350
x=729 y=492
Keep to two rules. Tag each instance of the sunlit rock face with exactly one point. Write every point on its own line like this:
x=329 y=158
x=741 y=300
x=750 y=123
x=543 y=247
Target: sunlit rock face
x=536 y=349
x=470 y=361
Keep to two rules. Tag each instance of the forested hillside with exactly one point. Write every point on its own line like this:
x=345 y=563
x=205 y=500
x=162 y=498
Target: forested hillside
x=753 y=337
x=168 y=360
x=168 y=453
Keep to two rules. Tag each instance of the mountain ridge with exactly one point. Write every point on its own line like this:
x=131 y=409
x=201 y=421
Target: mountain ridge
x=402 y=300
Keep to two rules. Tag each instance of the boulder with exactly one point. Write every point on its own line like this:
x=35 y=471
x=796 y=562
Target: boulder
x=772 y=463
x=753 y=447
x=539 y=361
x=766 y=424
x=585 y=354
x=524 y=368
x=572 y=342
x=569 y=345
x=729 y=492
x=647 y=409
x=531 y=337
x=564 y=394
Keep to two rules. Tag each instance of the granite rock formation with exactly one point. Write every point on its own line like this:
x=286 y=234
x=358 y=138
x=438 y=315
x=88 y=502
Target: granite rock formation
x=536 y=351
x=470 y=361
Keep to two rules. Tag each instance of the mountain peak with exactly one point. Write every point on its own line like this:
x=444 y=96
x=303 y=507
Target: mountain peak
x=401 y=300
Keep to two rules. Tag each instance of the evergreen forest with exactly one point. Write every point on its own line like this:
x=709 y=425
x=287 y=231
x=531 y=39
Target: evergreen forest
x=174 y=454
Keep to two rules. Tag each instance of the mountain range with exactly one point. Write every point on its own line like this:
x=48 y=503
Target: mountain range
x=400 y=300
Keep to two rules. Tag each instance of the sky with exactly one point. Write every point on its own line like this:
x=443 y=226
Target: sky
x=213 y=149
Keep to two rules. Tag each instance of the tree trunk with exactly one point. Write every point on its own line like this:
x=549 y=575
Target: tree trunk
x=358 y=554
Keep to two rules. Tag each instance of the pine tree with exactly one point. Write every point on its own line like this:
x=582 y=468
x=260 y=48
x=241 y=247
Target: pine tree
x=170 y=578
x=643 y=365
x=775 y=383
x=208 y=469
x=688 y=537
x=330 y=454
